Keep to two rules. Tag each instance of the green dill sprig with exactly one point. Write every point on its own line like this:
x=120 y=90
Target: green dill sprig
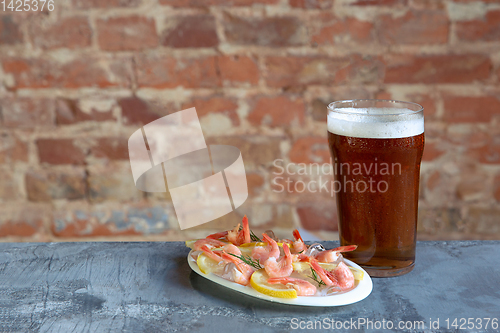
x=248 y=260
x=316 y=278
x=254 y=237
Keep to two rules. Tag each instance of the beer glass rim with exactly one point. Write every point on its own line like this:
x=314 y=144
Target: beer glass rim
x=337 y=106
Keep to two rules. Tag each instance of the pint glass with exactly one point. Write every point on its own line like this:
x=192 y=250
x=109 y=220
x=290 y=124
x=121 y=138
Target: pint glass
x=376 y=148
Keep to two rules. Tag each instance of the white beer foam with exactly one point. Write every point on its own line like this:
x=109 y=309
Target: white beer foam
x=377 y=123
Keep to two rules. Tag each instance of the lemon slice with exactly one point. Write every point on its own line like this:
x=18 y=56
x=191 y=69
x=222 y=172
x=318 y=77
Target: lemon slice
x=259 y=283
x=252 y=244
x=302 y=266
x=189 y=243
x=208 y=265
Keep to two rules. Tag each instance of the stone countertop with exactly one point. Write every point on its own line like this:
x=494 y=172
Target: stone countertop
x=149 y=287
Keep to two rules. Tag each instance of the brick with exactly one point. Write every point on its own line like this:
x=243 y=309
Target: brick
x=439 y=221
x=10 y=32
x=24 y=221
x=285 y=111
x=468 y=1
x=488 y=153
x=367 y=69
x=238 y=69
x=471 y=188
x=433 y=181
x=214 y=104
x=50 y=184
x=60 y=151
x=464 y=68
x=416 y=27
x=10 y=189
x=293 y=71
x=112 y=181
x=319 y=105
x=129 y=33
x=487 y=29
x=427 y=101
x=255 y=183
x=268 y=31
x=485 y=220
x=27 y=112
x=496 y=188
x=467 y=135
x=87 y=71
x=205 y=3
x=379 y=3
x=427 y=4
x=268 y=216
x=311 y=4
x=318 y=215
x=165 y=72
x=191 y=31
x=466 y=109
x=319 y=109
x=257 y=150
x=99 y=221
x=12 y=148
x=68 y=112
x=111 y=148
x=71 y=33
x=87 y=4
x=310 y=150
x=432 y=150
x=136 y=111
x=334 y=31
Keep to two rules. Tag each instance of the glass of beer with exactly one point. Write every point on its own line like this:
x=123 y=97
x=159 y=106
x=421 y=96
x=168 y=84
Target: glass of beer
x=376 y=148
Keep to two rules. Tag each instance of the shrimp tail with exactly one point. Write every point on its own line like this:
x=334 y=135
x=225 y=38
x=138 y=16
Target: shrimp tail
x=211 y=254
x=296 y=235
x=347 y=248
x=245 y=231
x=218 y=235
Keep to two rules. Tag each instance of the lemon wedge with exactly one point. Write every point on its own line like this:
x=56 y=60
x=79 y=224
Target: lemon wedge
x=259 y=283
x=302 y=266
x=208 y=265
x=189 y=243
x=358 y=274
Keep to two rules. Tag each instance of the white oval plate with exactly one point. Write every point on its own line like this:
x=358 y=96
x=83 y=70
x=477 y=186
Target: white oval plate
x=360 y=292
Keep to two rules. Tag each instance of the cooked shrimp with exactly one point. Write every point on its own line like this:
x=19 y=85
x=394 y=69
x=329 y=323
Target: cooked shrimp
x=341 y=276
x=211 y=243
x=322 y=273
x=298 y=245
x=217 y=235
x=206 y=245
x=333 y=254
x=303 y=287
x=344 y=276
x=243 y=271
x=231 y=248
x=237 y=236
x=281 y=268
x=261 y=253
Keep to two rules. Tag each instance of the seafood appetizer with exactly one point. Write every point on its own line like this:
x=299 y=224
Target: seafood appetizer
x=277 y=268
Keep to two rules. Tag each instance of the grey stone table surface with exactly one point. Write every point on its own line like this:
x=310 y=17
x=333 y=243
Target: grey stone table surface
x=149 y=287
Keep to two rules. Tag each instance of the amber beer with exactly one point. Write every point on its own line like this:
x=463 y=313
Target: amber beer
x=376 y=148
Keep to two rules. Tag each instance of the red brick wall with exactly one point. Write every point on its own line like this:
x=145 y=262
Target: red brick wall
x=260 y=73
